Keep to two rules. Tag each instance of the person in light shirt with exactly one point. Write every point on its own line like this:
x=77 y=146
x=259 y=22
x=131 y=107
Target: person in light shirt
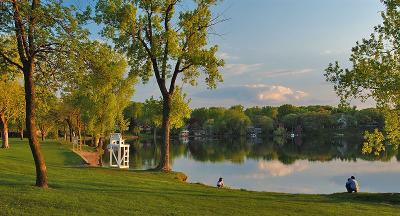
x=352 y=185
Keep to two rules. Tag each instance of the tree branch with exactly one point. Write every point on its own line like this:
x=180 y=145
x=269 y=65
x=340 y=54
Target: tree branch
x=160 y=81
x=166 y=27
x=11 y=61
x=31 y=24
x=175 y=75
x=20 y=34
x=185 y=68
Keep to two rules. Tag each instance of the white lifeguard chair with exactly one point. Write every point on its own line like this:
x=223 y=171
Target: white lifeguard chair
x=119 y=151
x=76 y=143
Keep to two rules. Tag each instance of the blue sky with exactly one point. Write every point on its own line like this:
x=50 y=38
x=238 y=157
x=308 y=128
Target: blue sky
x=276 y=50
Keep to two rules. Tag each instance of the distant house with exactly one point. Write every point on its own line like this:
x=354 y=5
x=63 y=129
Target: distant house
x=254 y=130
x=198 y=132
x=145 y=128
x=342 y=122
x=184 y=133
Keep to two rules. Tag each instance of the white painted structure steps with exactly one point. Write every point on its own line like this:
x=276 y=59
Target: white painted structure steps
x=76 y=143
x=119 y=151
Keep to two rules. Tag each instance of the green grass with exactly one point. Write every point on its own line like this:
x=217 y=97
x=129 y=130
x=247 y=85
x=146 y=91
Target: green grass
x=78 y=190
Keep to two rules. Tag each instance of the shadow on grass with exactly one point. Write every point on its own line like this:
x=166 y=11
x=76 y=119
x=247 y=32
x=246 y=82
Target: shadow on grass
x=72 y=159
x=378 y=198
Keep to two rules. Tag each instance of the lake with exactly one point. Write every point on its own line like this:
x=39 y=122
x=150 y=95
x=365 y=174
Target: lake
x=315 y=163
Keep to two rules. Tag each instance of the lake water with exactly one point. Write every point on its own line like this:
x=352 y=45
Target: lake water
x=319 y=163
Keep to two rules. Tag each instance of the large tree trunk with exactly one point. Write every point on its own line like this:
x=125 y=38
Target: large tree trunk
x=43 y=136
x=41 y=171
x=78 y=123
x=71 y=130
x=132 y=125
x=84 y=134
x=4 y=130
x=96 y=141
x=65 y=133
x=100 y=150
x=42 y=132
x=21 y=133
x=155 y=133
x=164 y=160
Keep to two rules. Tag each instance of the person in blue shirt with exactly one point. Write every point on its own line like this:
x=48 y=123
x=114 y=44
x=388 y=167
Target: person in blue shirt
x=352 y=185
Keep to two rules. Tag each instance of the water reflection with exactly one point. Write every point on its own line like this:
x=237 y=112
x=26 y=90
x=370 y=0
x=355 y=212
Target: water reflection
x=313 y=163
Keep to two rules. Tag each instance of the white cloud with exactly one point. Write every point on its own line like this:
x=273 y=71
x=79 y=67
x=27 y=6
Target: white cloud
x=332 y=52
x=227 y=56
x=285 y=72
x=278 y=93
x=277 y=168
x=255 y=70
x=256 y=94
x=239 y=69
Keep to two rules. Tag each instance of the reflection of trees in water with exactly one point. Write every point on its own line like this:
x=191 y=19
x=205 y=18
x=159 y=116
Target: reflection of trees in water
x=234 y=150
x=145 y=154
x=318 y=146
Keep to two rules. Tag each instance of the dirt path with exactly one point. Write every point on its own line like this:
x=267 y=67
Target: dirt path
x=91 y=158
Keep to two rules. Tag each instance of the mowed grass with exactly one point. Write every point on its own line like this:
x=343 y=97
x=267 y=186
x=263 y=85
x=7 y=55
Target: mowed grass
x=76 y=190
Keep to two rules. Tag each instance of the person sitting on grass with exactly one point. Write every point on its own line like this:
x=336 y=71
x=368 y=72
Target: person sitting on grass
x=352 y=185
x=220 y=183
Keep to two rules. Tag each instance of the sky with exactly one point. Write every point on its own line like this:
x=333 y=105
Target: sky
x=276 y=51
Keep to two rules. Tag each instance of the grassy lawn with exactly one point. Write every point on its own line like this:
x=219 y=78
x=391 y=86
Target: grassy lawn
x=78 y=190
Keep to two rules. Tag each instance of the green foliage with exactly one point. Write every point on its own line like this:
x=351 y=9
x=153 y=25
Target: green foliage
x=160 y=42
x=291 y=120
x=8 y=48
x=392 y=127
x=373 y=142
x=180 y=110
x=268 y=111
x=264 y=122
x=286 y=109
x=152 y=110
x=370 y=117
x=199 y=117
x=305 y=118
x=46 y=111
x=56 y=29
x=375 y=70
x=12 y=102
x=133 y=111
x=154 y=36
x=233 y=122
x=100 y=89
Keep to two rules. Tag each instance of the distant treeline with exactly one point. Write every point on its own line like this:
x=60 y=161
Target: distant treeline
x=238 y=120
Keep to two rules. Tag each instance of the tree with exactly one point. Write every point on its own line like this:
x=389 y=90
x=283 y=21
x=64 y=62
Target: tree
x=234 y=122
x=133 y=112
x=285 y=110
x=11 y=106
x=47 y=112
x=290 y=121
x=152 y=114
x=159 y=42
x=180 y=110
x=11 y=99
x=19 y=121
x=153 y=109
x=101 y=90
x=270 y=111
x=38 y=29
x=375 y=74
x=264 y=122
